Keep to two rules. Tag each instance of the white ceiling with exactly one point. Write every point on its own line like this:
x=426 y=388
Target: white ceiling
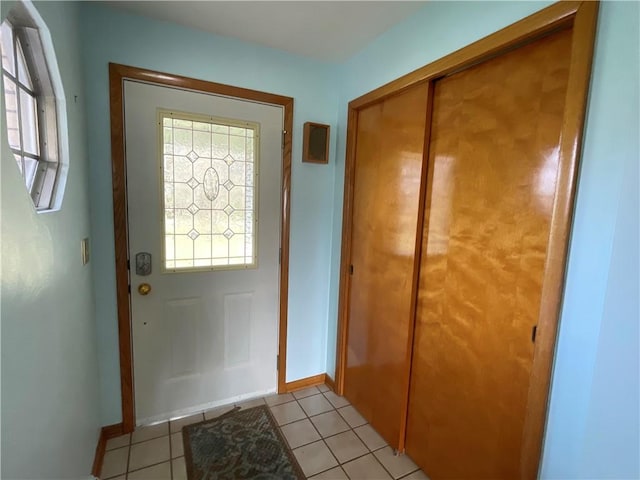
x=325 y=30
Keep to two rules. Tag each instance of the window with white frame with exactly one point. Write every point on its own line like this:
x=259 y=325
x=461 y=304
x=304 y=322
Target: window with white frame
x=30 y=106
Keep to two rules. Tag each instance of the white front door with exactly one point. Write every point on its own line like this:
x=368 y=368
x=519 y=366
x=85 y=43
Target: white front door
x=203 y=198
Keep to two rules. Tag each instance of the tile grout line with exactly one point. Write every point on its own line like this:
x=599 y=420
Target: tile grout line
x=170 y=451
x=152 y=464
x=410 y=473
x=147 y=439
x=370 y=452
x=147 y=466
x=383 y=467
x=356 y=434
x=321 y=438
x=131 y=443
x=387 y=470
x=307 y=417
x=352 y=429
x=126 y=472
x=127 y=446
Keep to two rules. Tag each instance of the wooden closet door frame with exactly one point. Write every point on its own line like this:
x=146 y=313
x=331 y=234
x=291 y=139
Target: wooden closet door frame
x=582 y=17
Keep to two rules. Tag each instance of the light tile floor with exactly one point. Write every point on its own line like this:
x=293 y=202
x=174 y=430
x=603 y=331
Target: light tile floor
x=330 y=439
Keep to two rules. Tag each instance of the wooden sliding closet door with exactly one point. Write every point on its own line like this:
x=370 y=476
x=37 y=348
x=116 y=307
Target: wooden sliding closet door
x=493 y=161
x=388 y=166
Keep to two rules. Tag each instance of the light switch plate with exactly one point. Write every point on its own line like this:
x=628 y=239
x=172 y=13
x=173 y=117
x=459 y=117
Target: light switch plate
x=84 y=250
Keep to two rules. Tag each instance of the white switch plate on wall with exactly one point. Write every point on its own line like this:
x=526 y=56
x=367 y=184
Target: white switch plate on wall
x=84 y=250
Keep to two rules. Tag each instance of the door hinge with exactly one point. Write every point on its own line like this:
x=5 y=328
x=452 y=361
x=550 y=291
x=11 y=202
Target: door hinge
x=128 y=265
x=129 y=288
x=534 y=330
x=280 y=256
x=278 y=363
x=350 y=269
x=284 y=136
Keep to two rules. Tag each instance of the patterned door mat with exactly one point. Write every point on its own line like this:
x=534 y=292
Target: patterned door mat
x=240 y=444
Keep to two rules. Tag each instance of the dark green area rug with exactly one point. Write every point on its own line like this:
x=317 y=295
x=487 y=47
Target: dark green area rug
x=241 y=444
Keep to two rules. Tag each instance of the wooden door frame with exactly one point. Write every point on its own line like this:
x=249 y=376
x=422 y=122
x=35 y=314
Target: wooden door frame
x=582 y=16
x=117 y=75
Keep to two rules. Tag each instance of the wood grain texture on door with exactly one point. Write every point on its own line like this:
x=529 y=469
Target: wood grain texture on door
x=388 y=166
x=493 y=162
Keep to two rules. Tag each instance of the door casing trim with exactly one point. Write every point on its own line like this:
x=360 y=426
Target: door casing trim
x=117 y=74
x=582 y=17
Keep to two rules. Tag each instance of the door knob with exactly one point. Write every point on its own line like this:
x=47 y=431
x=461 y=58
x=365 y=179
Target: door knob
x=144 y=289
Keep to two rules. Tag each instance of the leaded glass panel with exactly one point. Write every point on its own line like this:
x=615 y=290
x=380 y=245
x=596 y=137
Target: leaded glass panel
x=208 y=166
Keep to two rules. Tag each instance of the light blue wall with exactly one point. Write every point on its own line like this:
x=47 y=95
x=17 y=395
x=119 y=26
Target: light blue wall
x=113 y=36
x=47 y=295
x=592 y=426
x=50 y=403
x=592 y=429
x=611 y=435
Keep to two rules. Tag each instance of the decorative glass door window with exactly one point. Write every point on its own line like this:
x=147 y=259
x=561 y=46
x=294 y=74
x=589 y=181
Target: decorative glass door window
x=209 y=177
